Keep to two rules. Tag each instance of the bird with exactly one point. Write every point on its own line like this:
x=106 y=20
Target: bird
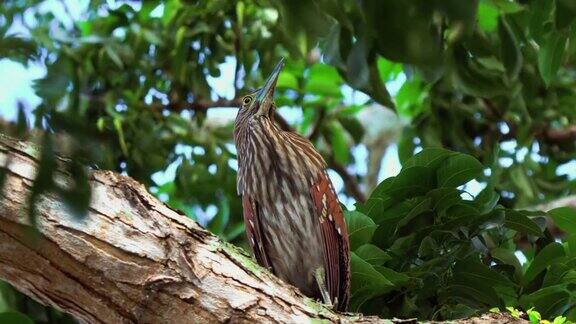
x=294 y=223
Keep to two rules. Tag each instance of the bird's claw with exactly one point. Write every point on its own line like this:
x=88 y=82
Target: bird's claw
x=320 y=276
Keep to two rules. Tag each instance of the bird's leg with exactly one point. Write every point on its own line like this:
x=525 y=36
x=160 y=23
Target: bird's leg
x=320 y=276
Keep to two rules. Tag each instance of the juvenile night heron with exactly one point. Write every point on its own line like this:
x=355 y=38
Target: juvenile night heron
x=294 y=223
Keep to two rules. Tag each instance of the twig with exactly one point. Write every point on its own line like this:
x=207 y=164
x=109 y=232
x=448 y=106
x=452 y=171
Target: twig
x=350 y=184
x=318 y=125
x=238 y=52
x=197 y=105
x=284 y=125
x=561 y=135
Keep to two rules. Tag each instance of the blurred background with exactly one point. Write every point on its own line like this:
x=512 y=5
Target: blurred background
x=149 y=89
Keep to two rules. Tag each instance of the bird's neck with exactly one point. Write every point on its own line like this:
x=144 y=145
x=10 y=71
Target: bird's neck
x=268 y=154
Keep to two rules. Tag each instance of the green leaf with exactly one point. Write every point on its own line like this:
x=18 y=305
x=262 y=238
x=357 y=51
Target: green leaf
x=360 y=228
x=8 y=297
x=366 y=282
x=338 y=143
x=357 y=72
x=118 y=127
x=331 y=46
x=406 y=36
x=422 y=206
x=474 y=290
x=556 y=273
x=324 y=80
x=458 y=169
x=411 y=182
x=521 y=180
x=519 y=222
x=388 y=70
x=17 y=48
x=549 y=255
x=429 y=157
x=389 y=219
x=15 y=318
x=474 y=280
x=571 y=241
x=114 y=56
x=461 y=214
x=391 y=209
x=565 y=219
x=377 y=89
x=507 y=6
x=508 y=257
x=372 y=254
x=397 y=278
x=551 y=55
x=444 y=198
x=410 y=99
x=565 y=13
x=53 y=86
x=541 y=18
x=509 y=49
x=406 y=144
x=560 y=320
x=353 y=127
x=474 y=79
x=486 y=200
x=374 y=206
x=382 y=188
x=222 y=218
x=474 y=269
x=428 y=247
x=487 y=16
x=287 y=80
x=549 y=301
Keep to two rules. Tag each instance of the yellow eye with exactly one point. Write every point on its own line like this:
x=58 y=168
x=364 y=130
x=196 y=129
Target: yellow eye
x=247 y=100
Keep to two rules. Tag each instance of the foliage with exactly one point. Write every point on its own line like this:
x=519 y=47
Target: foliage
x=424 y=247
x=533 y=316
x=130 y=87
x=17 y=309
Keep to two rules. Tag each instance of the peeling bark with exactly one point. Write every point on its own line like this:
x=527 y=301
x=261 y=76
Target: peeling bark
x=133 y=259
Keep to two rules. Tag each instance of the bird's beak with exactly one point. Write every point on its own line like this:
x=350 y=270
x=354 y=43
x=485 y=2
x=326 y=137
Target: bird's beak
x=266 y=93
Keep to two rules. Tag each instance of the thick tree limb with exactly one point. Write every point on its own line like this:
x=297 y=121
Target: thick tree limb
x=132 y=259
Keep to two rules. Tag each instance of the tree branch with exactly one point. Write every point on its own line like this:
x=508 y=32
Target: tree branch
x=350 y=184
x=318 y=125
x=132 y=259
x=568 y=201
x=197 y=105
x=544 y=133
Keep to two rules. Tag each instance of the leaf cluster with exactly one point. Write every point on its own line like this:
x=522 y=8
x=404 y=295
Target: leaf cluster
x=423 y=247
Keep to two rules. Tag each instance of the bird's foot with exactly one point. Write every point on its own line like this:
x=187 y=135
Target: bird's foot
x=320 y=276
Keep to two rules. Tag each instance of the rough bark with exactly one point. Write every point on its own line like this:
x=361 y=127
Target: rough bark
x=132 y=259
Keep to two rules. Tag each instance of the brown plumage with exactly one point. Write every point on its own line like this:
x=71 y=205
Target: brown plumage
x=294 y=222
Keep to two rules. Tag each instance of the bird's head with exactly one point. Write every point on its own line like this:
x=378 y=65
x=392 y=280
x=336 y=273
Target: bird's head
x=260 y=103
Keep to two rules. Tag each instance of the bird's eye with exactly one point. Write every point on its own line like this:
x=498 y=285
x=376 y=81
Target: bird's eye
x=247 y=100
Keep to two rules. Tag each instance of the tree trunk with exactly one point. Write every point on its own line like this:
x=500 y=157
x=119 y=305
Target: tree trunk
x=132 y=259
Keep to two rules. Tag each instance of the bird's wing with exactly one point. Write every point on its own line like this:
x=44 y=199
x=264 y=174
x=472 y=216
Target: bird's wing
x=254 y=231
x=335 y=237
